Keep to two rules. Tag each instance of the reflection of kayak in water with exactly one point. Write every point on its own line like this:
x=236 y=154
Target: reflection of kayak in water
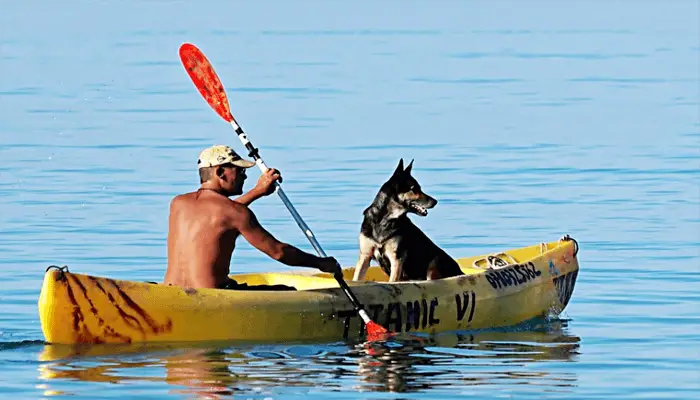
x=541 y=334
x=498 y=290
x=200 y=369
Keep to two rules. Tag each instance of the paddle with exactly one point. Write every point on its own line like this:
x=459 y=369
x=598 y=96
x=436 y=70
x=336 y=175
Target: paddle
x=210 y=87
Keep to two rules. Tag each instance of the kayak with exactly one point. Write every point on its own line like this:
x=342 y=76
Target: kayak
x=498 y=290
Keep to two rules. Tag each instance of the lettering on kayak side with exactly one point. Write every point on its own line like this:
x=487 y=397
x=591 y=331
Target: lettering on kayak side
x=467 y=301
x=393 y=316
x=418 y=314
x=512 y=275
x=411 y=315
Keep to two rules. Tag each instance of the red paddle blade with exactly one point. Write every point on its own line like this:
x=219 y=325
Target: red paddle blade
x=205 y=79
x=376 y=331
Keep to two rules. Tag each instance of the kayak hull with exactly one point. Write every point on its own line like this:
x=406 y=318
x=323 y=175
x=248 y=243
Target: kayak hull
x=79 y=308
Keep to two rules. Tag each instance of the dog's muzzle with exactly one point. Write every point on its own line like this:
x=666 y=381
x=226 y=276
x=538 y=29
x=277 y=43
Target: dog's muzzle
x=418 y=209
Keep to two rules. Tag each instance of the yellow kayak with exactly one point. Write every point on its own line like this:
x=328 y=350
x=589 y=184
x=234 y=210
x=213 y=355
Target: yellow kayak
x=498 y=290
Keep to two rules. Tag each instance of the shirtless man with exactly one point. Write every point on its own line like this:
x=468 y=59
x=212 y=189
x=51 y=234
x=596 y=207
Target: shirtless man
x=204 y=225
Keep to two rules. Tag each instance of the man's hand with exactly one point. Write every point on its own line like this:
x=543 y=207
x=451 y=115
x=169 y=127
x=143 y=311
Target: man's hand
x=266 y=182
x=329 y=264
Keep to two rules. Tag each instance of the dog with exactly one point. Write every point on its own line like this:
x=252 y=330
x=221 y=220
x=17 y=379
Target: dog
x=387 y=235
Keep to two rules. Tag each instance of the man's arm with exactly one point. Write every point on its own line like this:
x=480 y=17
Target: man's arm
x=248 y=225
x=247 y=198
x=264 y=187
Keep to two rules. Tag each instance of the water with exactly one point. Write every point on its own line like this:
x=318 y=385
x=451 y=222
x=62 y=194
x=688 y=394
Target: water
x=527 y=122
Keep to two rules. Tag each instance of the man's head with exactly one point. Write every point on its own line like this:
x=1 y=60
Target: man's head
x=221 y=166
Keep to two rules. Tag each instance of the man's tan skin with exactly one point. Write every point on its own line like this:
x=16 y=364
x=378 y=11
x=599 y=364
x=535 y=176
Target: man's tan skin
x=204 y=226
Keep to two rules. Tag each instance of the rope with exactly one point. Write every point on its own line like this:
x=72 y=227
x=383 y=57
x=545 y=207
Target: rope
x=567 y=238
x=62 y=269
x=495 y=260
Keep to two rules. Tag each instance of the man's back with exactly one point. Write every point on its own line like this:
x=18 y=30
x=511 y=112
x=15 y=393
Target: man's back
x=204 y=225
x=201 y=239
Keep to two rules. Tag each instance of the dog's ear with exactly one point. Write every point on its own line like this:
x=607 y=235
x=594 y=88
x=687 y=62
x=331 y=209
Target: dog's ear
x=399 y=168
x=408 y=169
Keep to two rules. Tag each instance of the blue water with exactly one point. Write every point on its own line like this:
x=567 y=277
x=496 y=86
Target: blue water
x=526 y=122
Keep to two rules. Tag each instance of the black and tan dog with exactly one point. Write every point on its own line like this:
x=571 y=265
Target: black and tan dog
x=387 y=235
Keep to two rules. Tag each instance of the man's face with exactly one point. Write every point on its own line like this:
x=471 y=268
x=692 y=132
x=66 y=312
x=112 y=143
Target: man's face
x=233 y=180
x=240 y=177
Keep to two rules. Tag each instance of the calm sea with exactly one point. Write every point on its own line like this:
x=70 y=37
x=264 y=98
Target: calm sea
x=526 y=120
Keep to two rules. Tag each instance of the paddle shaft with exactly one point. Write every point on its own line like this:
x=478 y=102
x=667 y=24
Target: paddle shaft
x=255 y=154
x=209 y=86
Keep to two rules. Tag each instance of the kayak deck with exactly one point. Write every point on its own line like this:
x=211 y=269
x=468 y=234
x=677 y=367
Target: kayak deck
x=310 y=279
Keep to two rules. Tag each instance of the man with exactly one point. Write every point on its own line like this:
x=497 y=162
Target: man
x=204 y=226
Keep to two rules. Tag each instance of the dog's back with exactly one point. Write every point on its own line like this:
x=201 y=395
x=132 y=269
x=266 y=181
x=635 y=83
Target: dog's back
x=421 y=258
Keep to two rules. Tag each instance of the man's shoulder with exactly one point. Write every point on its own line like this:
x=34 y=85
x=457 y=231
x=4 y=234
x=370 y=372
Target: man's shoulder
x=236 y=213
x=218 y=201
x=180 y=198
x=237 y=208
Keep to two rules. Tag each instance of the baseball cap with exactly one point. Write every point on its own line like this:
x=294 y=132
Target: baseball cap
x=221 y=154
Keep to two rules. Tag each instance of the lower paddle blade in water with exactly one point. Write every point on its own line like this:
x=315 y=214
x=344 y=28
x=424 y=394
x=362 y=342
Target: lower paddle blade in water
x=376 y=331
x=205 y=79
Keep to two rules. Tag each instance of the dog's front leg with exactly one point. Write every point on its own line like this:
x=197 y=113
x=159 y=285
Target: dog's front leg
x=366 y=251
x=396 y=267
x=396 y=262
x=362 y=265
x=432 y=272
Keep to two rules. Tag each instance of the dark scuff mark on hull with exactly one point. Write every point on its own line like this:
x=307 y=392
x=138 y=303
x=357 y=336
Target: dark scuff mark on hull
x=128 y=319
x=155 y=327
x=77 y=312
x=97 y=283
x=107 y=330
x=100 y=321
x=83 y=335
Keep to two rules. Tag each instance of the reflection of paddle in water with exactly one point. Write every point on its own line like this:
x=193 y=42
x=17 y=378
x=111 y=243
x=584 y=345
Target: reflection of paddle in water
x=410 y=366
x=495 y=358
